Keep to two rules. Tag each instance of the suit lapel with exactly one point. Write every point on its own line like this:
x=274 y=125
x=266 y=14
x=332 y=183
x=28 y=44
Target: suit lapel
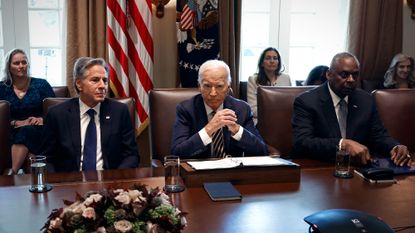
x=329 y=112
x=105 y=125
x=353 y=113
x=74 y=125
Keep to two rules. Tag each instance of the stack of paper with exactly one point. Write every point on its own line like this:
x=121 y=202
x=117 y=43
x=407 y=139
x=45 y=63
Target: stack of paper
x=232 y=162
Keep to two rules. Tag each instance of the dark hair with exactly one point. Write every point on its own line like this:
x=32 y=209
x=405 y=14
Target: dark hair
x=83 y=64
x=316 y=76
x=261 y=77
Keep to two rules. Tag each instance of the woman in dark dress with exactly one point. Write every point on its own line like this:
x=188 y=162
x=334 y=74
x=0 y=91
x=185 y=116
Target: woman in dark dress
x=25 y=95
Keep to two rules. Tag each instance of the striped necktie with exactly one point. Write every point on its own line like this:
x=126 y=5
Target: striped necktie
x=218 y=149
x=342 y=117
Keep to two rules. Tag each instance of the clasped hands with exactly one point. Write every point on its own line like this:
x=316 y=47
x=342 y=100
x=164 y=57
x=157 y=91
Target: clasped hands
x=30 y=121
x=360 y=153
x=225 y=117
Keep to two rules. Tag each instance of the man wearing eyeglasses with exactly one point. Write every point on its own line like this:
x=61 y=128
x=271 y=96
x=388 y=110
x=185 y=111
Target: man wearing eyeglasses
x=213 y=123
x=338 y=115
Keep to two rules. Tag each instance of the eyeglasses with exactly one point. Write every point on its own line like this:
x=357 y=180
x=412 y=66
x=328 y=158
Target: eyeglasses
x=209 y=87
x=346 y=74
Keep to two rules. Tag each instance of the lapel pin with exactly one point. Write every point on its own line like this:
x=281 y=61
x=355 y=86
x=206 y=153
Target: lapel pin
x=107 y=117
x=354 y=106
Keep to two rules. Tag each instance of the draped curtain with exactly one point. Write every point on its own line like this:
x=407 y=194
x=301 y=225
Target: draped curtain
x=86 y=33
x=375 y=34
x=229 y=36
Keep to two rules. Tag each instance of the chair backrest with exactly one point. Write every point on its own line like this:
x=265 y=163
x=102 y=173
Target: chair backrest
x=396 y=108
x=129 y=101
x=61 y=91
x=162 y=117
x=275 y=108
x=5 y=158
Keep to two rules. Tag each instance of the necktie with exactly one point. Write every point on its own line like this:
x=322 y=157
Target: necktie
x=342 y=117
x=218 y=143
x=90 y=145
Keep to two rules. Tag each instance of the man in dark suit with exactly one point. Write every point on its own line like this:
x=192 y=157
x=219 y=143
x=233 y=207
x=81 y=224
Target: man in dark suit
x=214 y=112
x=67 y=125
x=317 y=128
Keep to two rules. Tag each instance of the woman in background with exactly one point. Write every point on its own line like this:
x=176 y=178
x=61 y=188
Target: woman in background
x=316 y=76
x=400 y=73
x=269 y=74
x=25 y=95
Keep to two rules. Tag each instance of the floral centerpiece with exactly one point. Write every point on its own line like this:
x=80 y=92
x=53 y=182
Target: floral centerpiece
x=117 y=210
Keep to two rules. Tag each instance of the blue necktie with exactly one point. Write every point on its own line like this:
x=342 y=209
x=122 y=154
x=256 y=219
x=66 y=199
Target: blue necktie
x=90 y=146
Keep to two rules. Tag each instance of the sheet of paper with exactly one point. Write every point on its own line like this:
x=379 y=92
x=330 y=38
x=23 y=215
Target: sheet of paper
x=232 y=162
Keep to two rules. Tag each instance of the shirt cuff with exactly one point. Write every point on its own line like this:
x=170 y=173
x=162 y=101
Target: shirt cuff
x=205 y=137
x=238 y=134
x=340 y=143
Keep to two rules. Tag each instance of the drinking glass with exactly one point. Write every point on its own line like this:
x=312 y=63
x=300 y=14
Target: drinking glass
x=342 y=166
x=38 y=173
x=173 y=181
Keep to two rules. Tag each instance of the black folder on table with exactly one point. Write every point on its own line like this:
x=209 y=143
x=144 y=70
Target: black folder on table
x=388 y=163
x=222 y=191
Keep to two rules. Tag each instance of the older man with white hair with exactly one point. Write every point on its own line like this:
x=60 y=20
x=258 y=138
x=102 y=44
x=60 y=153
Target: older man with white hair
x=213 y=123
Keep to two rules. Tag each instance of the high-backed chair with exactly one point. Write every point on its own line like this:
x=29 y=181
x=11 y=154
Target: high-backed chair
x=162 y=116
x=275 y=108
x=396 y=108
x=5 y=158
x=61 y=91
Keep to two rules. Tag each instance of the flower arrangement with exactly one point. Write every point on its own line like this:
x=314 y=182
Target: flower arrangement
x=134 y=210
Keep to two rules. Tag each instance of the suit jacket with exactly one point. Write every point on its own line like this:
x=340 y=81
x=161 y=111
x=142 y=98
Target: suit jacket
x=62 y=136
x=191 y=118
x=316 y=130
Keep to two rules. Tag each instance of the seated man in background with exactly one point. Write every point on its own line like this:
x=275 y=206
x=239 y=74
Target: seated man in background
x=213 y=123
x=90 y=132
x=337 y=115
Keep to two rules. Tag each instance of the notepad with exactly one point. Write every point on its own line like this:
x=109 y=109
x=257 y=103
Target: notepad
x=232 y=162
x=222 y=191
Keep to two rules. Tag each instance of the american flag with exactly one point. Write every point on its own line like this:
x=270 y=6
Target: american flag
x=131 y=56
x=187 y=18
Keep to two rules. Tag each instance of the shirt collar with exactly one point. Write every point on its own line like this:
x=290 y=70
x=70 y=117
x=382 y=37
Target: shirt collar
x=83 y=107
x=209 y=110
x=336 y=99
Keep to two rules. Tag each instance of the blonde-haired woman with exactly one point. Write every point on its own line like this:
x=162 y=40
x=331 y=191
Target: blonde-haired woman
x=400 y=73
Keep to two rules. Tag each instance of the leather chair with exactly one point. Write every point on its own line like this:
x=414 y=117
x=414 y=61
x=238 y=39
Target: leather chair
x=163 y=103
x=5 y=153
x=396 y=108
x=61 y=91
x=275 y=108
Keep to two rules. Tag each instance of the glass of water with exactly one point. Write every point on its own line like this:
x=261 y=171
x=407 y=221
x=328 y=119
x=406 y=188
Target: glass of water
x=173 y=181
x=342 y=167
x=38 y=172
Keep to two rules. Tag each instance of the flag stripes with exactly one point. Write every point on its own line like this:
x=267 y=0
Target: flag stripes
x=131 y=54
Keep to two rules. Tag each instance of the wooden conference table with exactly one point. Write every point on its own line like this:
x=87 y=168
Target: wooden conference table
x=273 y=207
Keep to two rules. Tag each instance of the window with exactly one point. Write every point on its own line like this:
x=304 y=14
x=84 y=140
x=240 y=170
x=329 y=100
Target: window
x=306 y=33
x=37 y=27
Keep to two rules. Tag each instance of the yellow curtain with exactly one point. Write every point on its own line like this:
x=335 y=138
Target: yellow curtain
x=86 y=33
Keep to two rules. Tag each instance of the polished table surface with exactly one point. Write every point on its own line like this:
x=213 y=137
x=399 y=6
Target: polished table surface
x=276 y=207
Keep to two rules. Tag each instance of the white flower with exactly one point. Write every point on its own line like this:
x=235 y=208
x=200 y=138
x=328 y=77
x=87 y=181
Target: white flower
x=118 y=190
x=55 y=223
x=123 y=226
x=123 y=198
x=101 y=230
x=92 y=198
x=89 y=213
